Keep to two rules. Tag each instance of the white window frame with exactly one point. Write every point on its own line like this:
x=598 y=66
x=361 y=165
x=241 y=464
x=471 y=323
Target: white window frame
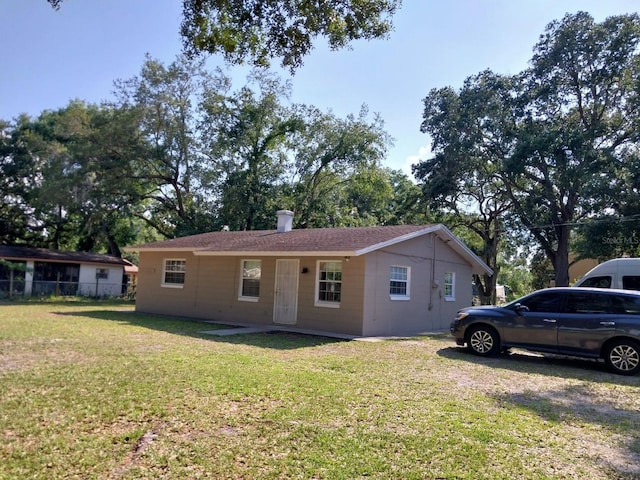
x=249 y=298
x=407 y=294
x=327 y=303
x=102 y=273
x=165 y=263
x=450 y=282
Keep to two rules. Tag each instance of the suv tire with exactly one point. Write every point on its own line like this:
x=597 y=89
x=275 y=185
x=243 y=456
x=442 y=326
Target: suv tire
x=623 y=356
x=483 y=341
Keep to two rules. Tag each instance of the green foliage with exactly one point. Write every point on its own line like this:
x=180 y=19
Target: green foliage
x=546 y=149
x=606 y=238
x=247 y=133
x=163 y=102
x=259 y=31
x=334 y=160
x=17 y=180
x=179 y=152
x=579 y=127
x=81 y=184
x=517 y=277
x=463 y=178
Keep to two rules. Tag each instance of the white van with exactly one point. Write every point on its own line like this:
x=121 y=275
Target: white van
x=616 y=273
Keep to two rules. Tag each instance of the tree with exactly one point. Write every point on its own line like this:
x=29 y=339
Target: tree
x=82 y=190
x=579 y=122
x=17 y=178
x=164 y=102
x=246 y=141
x=553 y=141
x=331 y=156
x=261 y=30
x=616 y=231
x=470 y=134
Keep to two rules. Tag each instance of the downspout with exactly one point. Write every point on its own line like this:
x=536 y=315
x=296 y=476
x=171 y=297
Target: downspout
x=433 y=271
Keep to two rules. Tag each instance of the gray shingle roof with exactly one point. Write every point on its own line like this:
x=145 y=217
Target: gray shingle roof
x=313 y=241
x=298 y=240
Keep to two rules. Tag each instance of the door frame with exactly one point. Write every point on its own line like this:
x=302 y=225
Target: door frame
x=285 y=291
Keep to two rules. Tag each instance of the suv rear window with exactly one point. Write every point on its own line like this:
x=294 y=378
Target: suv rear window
x=626 y=304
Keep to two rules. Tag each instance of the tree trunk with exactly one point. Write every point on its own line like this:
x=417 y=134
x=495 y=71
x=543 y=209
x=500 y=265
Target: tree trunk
x=561 y=258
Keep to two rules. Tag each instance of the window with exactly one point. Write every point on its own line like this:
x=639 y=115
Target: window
x=631 y=283
x=399 y=283
x=450 y=286
x=600 y=282
x=550 y=302
x=102 y=273
x=174 y=273
x=587 y=303
x=250 y=281
x=329 y=286
x=626 y=304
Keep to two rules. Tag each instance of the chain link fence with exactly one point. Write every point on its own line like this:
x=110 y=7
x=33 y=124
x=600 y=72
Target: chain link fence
x=17 y=288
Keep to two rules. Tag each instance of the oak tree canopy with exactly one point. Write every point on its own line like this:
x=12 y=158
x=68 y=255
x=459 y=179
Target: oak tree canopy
x=259 y=31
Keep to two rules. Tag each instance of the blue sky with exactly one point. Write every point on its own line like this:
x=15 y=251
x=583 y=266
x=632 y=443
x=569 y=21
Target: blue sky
x=49 y=57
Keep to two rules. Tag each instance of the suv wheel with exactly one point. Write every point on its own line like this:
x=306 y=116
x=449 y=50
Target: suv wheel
x=623 y=357
x=483 y=341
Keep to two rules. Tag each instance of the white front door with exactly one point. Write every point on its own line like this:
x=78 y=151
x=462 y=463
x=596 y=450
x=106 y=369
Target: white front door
x=285 y=305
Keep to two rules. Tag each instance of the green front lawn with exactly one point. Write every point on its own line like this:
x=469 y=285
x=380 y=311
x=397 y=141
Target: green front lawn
x=94 y=390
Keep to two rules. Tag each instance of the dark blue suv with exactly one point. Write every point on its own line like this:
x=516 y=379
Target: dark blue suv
x=583 y=322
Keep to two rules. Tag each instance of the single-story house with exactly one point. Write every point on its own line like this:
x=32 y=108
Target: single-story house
x=366 y=281
x=38 y=271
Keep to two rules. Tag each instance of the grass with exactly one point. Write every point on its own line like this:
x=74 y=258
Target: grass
x=94 y=390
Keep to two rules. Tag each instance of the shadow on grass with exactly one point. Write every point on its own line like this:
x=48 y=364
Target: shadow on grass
x=543 y=364
x=190 y=327
x=576 y=403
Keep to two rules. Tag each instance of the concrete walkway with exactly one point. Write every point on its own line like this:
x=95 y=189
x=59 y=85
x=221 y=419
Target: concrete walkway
x=223 y=332
x=239 y=330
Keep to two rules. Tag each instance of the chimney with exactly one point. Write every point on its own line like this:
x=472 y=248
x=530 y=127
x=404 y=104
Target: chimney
x=285 y=221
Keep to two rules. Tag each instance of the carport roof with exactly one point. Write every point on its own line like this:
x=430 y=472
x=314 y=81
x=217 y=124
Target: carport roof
x=8 y=252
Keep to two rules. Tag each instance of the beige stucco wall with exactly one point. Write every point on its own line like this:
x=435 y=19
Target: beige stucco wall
x=212 y=285
x=579 y=268
x=426 y=310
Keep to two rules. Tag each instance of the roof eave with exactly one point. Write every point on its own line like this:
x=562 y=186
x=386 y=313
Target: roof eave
x=395 y=240
x=478 y=267
x=157 y=249
x=278 y=253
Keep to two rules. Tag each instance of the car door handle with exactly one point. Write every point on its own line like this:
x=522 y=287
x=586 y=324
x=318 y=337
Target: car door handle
x=608 y=324
x=549 y=320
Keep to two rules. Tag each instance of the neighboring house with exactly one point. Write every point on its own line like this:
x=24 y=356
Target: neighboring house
x=130 y=276
x=367 y=281
x=579 y=268
x=37 y=271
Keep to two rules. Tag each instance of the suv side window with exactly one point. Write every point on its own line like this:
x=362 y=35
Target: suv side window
x=631 y=282
x=587 y=303
x=545 y=302
x=626 y=304
x=599 y=282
